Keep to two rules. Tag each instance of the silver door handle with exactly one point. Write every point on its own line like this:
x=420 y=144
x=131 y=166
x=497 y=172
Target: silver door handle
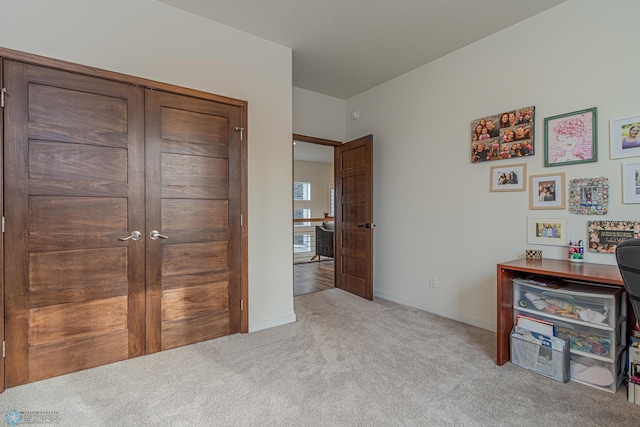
x=154 y=234
x=135 y=235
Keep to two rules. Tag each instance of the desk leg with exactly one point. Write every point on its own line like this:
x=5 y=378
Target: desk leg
x=504 y=314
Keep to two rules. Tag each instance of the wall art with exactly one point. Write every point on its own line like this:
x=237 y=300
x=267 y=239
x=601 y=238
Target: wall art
x=503 y=136
x=571 y=138
x=589 y=196
x=604 y=236
x=547 y=231
x=624 y=137
x=546 y=191
x=509 y=178
x=631 y=183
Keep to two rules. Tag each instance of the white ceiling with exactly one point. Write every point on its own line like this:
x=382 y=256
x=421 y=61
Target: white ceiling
x=344 y=47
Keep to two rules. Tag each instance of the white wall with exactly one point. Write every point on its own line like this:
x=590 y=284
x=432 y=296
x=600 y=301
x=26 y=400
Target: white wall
x=320 y=175
x=433 y=209
x=152 y=40
x=318 y=115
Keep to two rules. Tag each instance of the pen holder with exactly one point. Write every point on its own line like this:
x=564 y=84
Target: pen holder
x=576 y=253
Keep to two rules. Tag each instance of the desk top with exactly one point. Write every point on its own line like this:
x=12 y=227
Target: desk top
x=603 y=273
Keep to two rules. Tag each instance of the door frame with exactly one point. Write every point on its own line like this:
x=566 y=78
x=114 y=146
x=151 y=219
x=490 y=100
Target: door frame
x=318 y=141
x=38 y=60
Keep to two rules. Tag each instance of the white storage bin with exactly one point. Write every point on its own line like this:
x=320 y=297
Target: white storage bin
x=581 y=304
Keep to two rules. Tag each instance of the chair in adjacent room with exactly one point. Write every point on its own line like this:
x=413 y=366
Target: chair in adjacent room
x=324 y=240
x=628 y=257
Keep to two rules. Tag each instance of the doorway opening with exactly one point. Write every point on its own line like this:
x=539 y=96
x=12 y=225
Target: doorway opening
x=313 y=214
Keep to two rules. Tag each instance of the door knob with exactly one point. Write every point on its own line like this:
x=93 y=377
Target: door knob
x=155 y=235
x=367 y=225
x=135 y=235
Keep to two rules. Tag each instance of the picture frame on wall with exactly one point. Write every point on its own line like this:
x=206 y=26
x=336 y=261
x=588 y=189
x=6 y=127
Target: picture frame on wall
x=624 y=137
x=589 y=196
x=509 y=178
x=571 y=138
x=546 y=191
x=631 y=183
x=604 y=236
x=502 y=136
x=547 y=231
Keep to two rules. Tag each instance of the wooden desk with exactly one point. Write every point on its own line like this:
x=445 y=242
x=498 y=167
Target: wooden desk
x=585 y=272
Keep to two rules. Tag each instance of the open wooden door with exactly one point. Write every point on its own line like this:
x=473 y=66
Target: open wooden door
x=354 y=217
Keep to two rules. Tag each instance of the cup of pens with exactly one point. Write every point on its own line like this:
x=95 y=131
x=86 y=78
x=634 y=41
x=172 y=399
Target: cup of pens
x=576 y=251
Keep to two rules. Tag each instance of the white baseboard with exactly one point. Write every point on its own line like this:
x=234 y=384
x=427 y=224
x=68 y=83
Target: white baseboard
x=272 y=323
x=435 y=310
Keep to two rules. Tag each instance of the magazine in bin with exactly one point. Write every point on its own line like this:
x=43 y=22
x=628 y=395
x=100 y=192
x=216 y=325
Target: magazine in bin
x=546 y=355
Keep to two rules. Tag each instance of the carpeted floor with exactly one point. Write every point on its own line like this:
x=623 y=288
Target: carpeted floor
x=345 y=362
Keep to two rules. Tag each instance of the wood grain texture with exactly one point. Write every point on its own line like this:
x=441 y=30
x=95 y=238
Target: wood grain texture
x=194 y=301
x=195 y=127
x=190 y=331
x=194 y=258
x=77 y=267
x=58 y=323
x=180 y=214
x=53 y=160
x=75 y=355
x=77 y=215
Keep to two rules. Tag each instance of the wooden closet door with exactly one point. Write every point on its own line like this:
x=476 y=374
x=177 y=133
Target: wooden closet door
x=74 y=186
x=193 y=181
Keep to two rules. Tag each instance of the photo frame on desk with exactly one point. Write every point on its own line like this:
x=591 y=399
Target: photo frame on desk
x=547 y=231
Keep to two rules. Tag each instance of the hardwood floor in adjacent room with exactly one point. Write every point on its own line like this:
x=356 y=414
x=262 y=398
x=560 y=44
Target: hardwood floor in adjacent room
x=313 y=277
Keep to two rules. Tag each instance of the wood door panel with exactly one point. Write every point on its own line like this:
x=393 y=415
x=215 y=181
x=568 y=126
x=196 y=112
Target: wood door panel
x=353 y=239
x=194 y=301
x=53 y=187
x=190 y=331
x=194 y=149
x=353 y=159
x=77 y=267
x=77 y=215
x=353 y=189
x=195 y=171
x=181 y=214
x=74 y=355
x=59 y=323
x=53 y=160
x=194 y=258
x=195 y=127
x=66 y=295
x=174 y=282
x=50 y=105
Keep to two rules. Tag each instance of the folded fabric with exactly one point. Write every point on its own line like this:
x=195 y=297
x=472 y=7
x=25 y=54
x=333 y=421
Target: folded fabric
x=596 y=375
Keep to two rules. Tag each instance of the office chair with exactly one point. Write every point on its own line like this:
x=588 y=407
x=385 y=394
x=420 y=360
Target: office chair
x=628 y=257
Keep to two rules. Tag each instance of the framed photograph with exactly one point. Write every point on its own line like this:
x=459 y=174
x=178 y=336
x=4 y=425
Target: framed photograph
x=631 y=183
x=504 y=135
x=571 y=138
x=547 y=231
x=604 y=236
x=509 y=178
x=546 y=191
x=624 y=137
x=589 y=196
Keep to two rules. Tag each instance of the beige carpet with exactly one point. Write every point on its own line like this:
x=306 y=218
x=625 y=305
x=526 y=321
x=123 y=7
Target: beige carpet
x=345 y=362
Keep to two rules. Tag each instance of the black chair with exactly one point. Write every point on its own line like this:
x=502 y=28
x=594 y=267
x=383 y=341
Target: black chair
x=324 y=240
x=628 y=257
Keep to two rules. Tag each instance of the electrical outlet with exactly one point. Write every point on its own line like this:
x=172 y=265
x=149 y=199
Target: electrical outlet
x=433 y=282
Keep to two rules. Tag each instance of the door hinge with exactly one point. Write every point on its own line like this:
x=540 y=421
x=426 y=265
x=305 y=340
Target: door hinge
x=3 y=349
x=241 y=306
x=241 y=221
x=239 y=129
x=4 y=90
x=3 y=224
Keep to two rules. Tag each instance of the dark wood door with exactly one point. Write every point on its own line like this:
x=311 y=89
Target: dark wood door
x=74 y=186
x=354 y=217
x=193 y=200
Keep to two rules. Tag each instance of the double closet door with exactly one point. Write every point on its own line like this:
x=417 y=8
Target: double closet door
x=122 y=208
